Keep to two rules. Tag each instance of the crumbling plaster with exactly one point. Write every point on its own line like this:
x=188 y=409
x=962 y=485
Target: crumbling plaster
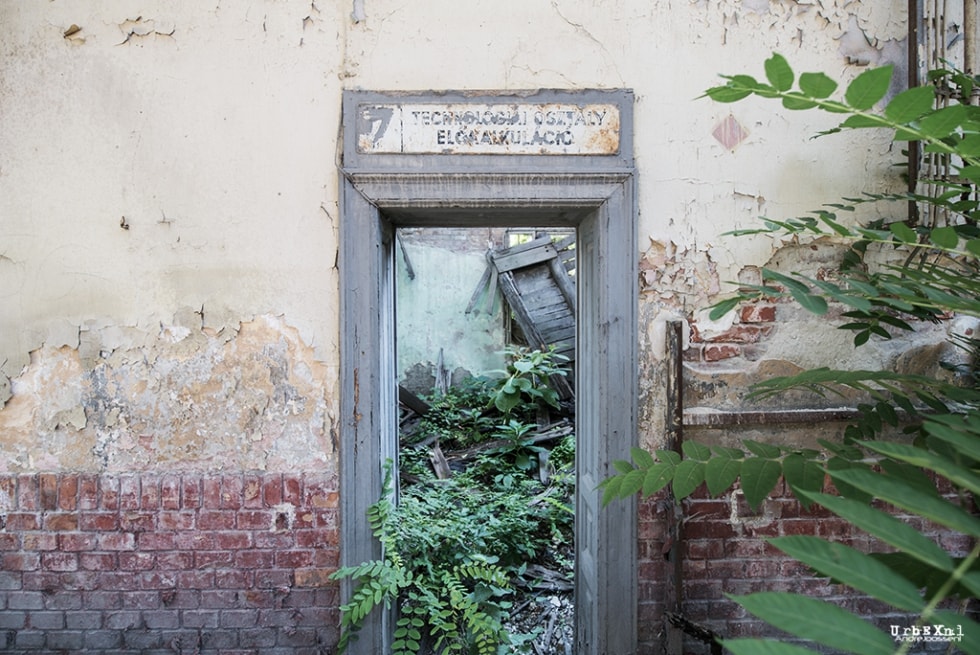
x=174 y=165
x=157 y=156
x=248 y=397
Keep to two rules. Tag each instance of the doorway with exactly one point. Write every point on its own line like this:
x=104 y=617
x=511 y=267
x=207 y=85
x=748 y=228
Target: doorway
x=592 y=195
x=485 y=347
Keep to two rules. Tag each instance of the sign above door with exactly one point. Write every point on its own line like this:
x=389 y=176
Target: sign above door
x=482 y=128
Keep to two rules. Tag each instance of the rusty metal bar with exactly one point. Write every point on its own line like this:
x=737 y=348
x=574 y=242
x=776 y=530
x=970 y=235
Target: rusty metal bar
x=674 y=548
x=714 y=418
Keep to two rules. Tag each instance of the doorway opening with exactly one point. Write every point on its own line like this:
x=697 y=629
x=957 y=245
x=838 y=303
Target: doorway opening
x=485 y=342
x=390 y=180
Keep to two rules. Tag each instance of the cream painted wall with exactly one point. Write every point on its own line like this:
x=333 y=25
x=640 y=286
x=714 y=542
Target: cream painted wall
x=168 y=184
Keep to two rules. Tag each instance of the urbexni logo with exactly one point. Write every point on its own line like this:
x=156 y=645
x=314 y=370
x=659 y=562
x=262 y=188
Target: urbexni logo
x=927 y=633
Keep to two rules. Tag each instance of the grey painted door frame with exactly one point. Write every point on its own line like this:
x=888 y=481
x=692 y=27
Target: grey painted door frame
x=595 y=195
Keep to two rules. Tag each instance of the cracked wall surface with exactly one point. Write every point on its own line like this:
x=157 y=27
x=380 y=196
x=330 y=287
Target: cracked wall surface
x=158 y=157
x=181 y=397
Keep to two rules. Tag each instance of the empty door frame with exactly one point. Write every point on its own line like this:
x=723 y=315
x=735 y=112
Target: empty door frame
x=595 y=195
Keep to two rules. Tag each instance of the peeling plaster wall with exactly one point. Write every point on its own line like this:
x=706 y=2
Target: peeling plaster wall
x=169 y=164
x=169 y=302
x=249 y=398
x=168 y=204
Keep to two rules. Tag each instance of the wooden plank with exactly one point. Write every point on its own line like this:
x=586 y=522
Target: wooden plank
x=544 y=304
x=538 y=284
x=483 y=286
x=510 y=262
x=439 y=464
x=564 y=282
x=558 y=323
x=561 y=334
x=513 y=296
x=413 y=402
x=537 y=242
x=552 y=312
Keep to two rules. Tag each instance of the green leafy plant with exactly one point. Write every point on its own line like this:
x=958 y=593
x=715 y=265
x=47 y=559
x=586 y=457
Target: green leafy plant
x=460 y=417
x=443 y=568
x=934 y=472
x=526 y=379
x=518 y=445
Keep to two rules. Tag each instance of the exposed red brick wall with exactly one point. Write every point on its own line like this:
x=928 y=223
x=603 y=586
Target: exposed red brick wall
x=182 y=563
x=755 y=323
x=239 y=564
x=725 y=552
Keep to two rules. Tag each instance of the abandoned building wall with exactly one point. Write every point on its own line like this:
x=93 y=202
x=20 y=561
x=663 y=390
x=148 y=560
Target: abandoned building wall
x=439 y=271
x=169 y=303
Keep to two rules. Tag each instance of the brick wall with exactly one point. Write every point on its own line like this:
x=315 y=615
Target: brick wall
x=755 y=323
x=183 y=563
x=239 y=564
x=725 y=552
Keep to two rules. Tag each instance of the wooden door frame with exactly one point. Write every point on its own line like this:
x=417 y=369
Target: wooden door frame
x=596 y=196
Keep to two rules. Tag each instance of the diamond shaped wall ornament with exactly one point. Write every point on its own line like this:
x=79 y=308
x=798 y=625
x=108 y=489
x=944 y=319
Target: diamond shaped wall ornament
x=730 y=133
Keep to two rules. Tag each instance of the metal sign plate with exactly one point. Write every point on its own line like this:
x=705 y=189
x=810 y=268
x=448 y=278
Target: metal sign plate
x=488 y=129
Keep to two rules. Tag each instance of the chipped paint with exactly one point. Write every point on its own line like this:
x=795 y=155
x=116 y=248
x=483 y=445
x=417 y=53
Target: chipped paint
x=214 y=134
x=251 y=398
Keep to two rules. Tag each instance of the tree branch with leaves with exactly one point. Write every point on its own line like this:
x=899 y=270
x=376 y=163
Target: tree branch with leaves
x=934 y=275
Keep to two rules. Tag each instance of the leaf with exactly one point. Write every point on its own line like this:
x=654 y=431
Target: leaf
x=925 y=459
x=720 y=474
x=727 y=93
x=696 y=451
x=641 y=457
x=910 y=104
x=803 y=474
x=610 y=488
x=657 y=477
x=838 y=294
x=928 y=578
x=969 y=628
x=721 y=308
x=845 y=489
x=903 y=232
x=817 y=85
x=505 y=402
x=728 y=453
x=910 y=475
x=869 y=87
x=669 y=456
x=797 y=102
x=945 y=237
x=632 y=483
x=812 y=303
x=955 y=431
x=818 y=621
x=762 y=449
x=759 y=476
x=903 y=496
x=858 y=121
x=848 y=566
x=941 y=123
x=779 y=73
x=622 y=466
x=792 y=284
x=688 y=476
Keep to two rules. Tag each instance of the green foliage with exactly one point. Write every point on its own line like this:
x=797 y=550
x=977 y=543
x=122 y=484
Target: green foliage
x=460 y=417
x=448 y=556
x=934 y=274
x=518 y=448
x=526 y=379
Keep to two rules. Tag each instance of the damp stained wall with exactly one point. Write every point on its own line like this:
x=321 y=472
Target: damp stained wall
x=168 y=195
